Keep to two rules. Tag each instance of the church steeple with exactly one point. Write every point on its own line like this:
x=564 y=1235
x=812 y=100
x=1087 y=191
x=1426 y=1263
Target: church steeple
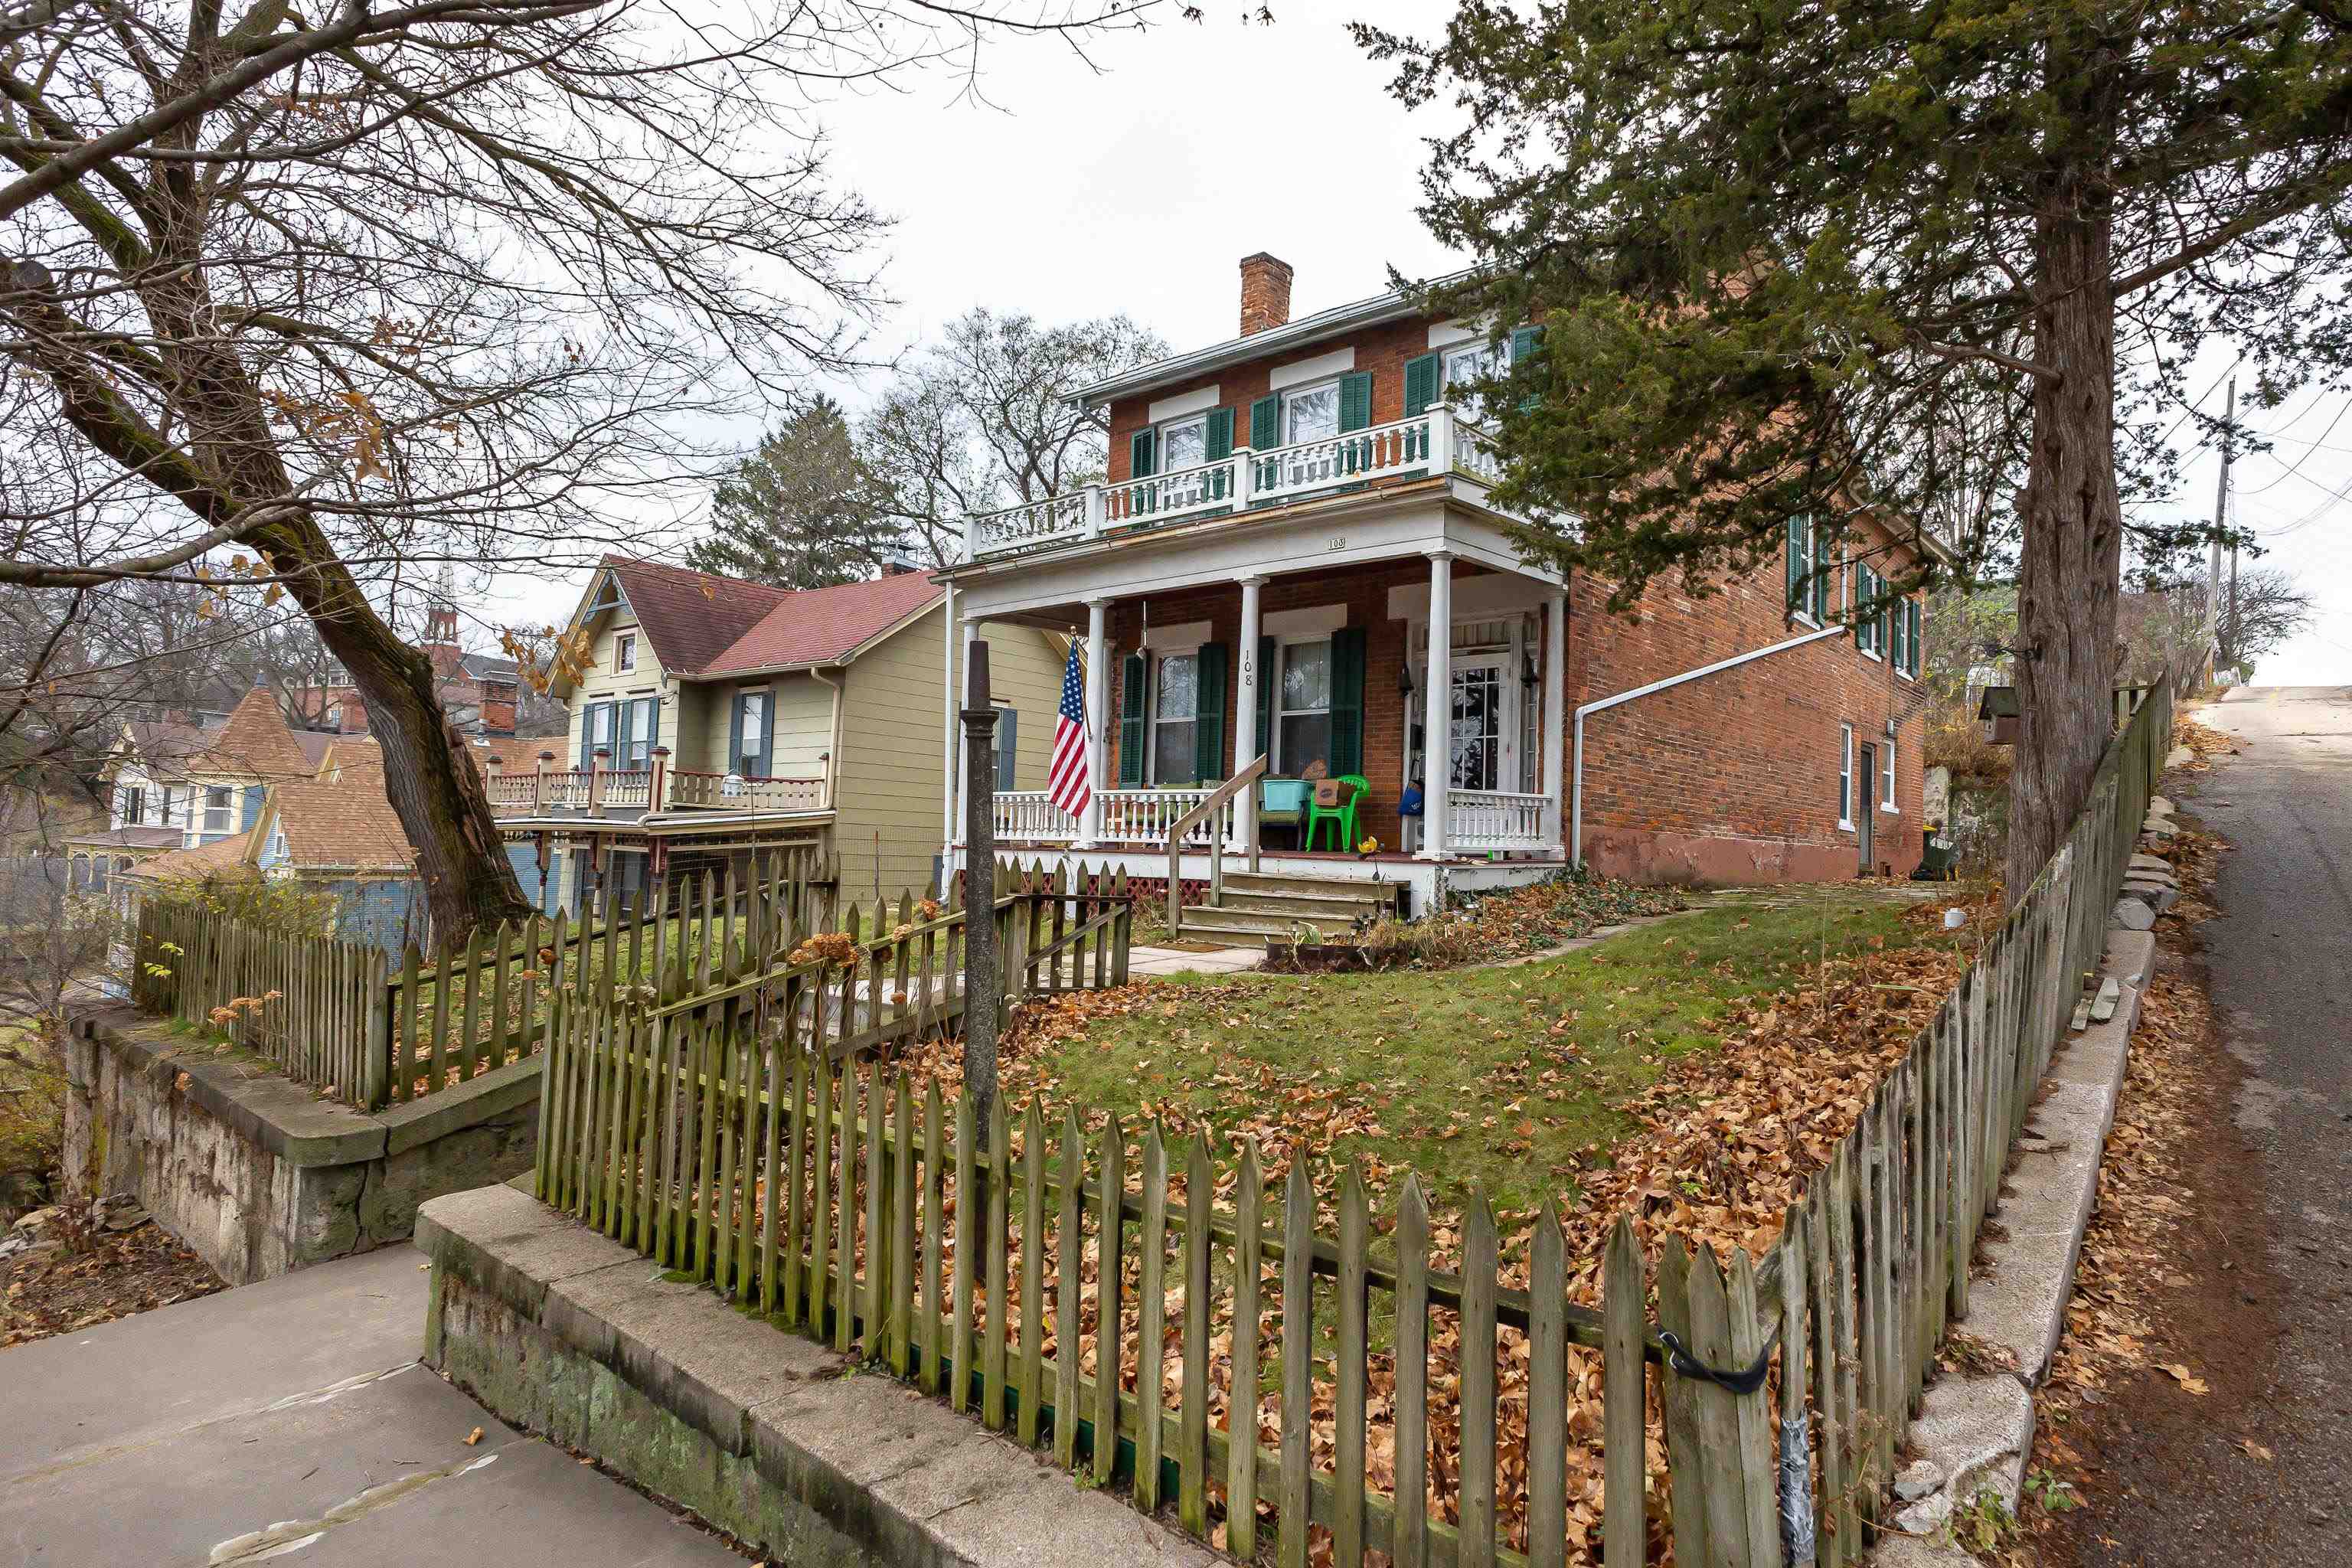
x=441 y=617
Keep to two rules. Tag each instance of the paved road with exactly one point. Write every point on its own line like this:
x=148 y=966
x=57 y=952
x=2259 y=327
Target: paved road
x=290 y=1420
x=2270 y=1237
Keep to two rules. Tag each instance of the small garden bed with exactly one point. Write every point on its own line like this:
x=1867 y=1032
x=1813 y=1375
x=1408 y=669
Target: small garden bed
x=1488 y=928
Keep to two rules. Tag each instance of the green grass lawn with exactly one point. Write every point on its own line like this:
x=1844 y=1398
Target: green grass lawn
x=1503 y=1076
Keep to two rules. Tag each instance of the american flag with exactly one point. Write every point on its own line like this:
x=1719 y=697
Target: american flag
x=1070 y=784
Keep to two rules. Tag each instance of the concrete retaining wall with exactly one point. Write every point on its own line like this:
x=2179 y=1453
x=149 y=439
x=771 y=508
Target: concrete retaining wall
x=759 y=1431
x=259 y=1174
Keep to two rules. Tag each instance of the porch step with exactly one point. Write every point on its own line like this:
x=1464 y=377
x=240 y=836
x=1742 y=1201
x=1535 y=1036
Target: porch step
x=1333 y=906
x=1208 y=919
x=1353 y=889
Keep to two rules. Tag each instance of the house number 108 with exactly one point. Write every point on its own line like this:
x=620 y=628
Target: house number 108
x=1337 y=541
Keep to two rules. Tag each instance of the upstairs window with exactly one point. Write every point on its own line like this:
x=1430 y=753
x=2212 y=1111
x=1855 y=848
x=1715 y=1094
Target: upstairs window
x=750 y=751
x=625 y=652
x=1311 y=413
x=1808 y=570
x=220 y=808
x=1184 y=444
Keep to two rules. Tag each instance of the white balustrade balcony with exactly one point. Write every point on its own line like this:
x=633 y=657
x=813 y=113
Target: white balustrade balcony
x=1435 y=441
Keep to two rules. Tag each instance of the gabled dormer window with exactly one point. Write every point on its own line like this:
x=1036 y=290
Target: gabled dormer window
x=625 y=652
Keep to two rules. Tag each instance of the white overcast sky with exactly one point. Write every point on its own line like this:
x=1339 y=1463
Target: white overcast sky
x=1138 y=185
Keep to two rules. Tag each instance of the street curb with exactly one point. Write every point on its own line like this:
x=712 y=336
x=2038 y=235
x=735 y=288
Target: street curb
x=1973 y=1434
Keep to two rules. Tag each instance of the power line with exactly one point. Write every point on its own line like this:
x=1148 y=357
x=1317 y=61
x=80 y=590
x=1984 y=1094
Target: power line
x=2295 y=470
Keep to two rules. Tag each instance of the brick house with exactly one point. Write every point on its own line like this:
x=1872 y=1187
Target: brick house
x=1286 y=516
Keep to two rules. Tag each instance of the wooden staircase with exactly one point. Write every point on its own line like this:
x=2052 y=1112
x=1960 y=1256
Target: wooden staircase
x=1253 y=905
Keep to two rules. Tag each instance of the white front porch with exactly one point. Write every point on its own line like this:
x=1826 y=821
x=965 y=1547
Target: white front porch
x=1479 y=823
x=1380 y=565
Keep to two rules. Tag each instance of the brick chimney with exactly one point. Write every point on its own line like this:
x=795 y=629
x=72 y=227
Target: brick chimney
x=1266 y=292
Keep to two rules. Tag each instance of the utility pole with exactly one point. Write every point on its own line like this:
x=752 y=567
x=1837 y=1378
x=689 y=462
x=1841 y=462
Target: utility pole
x=2220 y=517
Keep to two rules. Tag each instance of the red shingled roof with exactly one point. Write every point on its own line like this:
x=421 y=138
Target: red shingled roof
x=819 y=626
x=690 y=616
x=702 y=624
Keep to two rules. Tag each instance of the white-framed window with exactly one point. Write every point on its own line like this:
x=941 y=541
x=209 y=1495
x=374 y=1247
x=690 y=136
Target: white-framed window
x=1175 y=717
x=1869 y=631
x=1311 y=412
x=624 y=651
x=133 y=802
x=1886 y=777
x=1465 y=366
x=1302 y=729
x=600 y=730
x=220 y=808
x=1184 y=443
x=1846 y=776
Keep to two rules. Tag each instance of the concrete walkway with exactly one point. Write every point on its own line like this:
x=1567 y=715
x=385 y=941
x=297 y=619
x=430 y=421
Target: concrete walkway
x=232 y=1428
x=1162 y=960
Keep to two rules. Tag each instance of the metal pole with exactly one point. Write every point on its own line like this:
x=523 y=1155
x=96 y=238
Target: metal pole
x=2221 y=512
x=983 y=991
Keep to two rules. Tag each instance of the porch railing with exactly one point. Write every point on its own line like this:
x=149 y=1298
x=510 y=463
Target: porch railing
x=1031 y=815
x=1434 y=442
x=1481 y=819
x=744 y=792
x=1146 y=816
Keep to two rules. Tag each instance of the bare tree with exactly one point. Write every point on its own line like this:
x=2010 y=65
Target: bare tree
x=315 y=303
x=982 y=418
x=2262 y=607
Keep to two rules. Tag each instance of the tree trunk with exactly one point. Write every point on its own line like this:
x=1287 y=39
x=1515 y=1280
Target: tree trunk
x=2073 y=550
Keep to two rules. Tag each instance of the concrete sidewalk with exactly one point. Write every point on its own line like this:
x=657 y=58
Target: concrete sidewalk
x=227 y=1429
x=1164 y=961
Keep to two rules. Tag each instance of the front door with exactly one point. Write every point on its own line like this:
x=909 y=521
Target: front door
x=1863 y=809
x=1479 y=733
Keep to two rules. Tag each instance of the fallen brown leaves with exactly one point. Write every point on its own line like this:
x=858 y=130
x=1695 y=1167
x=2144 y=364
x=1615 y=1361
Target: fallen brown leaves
x=2130 y=1250
x=1724 y=1142
x=53 y=1292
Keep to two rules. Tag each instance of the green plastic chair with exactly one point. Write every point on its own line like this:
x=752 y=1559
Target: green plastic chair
x=1341 y=817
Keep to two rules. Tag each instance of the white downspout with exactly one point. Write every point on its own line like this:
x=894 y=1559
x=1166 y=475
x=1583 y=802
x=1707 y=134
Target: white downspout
x=832 y=757
x=1576 y=779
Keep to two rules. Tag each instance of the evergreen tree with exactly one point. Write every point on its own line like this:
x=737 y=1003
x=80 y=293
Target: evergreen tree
x=802 y=511
x=1785 y=253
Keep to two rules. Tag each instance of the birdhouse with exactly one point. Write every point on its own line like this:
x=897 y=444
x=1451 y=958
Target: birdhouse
x=1999 y=711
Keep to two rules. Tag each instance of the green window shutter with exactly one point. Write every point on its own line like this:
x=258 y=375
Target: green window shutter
x=1265 y=696
x=1266 y=423
x=1221 y=434
x=1795 y=558
x=768 y=736
x=1347 y=701
x=1355 y=401
x=1915 y=612
x=1209 y=715
x=1143 y=449
x=1902 y=637
x=1008 y=747
x=734 y=731
x=1420 y=377
x=1524 y=342
x=1422 y=381
x=1820 y=573
x=1133 y=676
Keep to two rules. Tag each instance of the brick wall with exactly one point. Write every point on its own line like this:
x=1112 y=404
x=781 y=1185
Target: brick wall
x=1382 y=351
x=1734 y=777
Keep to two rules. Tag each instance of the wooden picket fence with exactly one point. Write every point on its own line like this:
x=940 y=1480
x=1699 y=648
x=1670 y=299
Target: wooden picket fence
x=1153 y=1314
x=336 y=1016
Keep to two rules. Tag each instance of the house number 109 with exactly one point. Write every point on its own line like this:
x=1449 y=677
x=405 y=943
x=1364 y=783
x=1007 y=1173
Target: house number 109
x=1337 y=541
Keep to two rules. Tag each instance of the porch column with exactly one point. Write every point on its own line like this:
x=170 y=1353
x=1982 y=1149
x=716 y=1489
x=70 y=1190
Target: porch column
x=1090 y=829
x=1437 y=714
x=948 y=693
x=962 y=691
x=1246 y=704
x=1555 y=707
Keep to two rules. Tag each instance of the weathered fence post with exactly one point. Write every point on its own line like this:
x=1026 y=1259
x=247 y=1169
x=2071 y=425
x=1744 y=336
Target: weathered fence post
x=983 y=992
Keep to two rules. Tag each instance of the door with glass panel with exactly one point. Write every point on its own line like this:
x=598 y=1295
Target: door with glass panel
x=1480 y=732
